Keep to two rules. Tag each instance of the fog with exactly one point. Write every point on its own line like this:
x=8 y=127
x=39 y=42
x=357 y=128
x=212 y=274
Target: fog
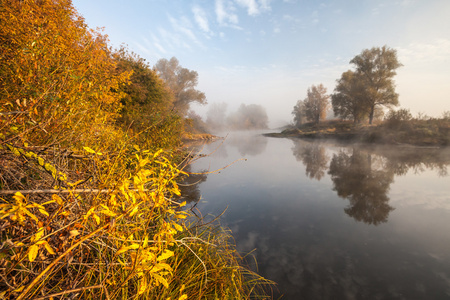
x=246 y=117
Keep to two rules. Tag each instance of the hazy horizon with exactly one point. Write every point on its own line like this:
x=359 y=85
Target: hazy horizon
x=269 y=52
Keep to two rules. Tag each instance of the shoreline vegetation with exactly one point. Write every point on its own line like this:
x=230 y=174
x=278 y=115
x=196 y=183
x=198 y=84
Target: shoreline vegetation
x=409 y=133
x=90 y=201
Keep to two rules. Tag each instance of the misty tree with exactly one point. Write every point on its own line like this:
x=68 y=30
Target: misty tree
x=299 y=113
x=182 y=82
x=348 y=99
x=375 y=69
x=216 y=116
x=316 y=103
x=251 y=116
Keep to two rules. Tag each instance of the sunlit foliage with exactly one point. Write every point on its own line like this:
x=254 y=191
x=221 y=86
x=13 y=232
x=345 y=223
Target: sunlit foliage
x=57 y=75
x=89 y=175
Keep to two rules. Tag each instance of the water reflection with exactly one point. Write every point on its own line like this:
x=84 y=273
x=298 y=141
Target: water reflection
x=417 y=159
x=313 y=156
x=363 y=175
x=302 y=226
x=252 y=145
x=356 y=178
x=190 y=184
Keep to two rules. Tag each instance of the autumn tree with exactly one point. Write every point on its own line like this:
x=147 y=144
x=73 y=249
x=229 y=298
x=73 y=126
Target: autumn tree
x=316 y=103
x=251 y=116
x=182 y=82
x=348 y=100
x=375 y=69
x=58 y=78
x=299 y=113
x=147 y=103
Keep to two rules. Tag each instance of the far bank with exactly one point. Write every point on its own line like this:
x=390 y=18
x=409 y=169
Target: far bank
x=423 y=133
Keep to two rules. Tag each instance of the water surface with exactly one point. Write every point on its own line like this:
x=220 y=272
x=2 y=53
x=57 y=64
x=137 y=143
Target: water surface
x=330 y=221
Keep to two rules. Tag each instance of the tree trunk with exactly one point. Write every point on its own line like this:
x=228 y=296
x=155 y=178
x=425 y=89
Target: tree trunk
x=372 y=110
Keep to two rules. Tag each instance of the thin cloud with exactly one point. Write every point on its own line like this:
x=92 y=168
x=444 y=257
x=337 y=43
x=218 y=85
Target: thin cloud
x=251 y=5
x=425 y=53
x=255 y=7
x=172 y=40
x=156 y=44
x=225 y=15
x=184 y=26
x=201 y=18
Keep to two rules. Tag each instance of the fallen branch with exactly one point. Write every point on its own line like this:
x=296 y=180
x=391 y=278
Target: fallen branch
x=67 y=191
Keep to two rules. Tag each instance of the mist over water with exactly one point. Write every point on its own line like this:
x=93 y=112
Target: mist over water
x=330 y=221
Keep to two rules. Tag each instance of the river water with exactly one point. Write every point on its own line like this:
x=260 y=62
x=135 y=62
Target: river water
x=334 y=221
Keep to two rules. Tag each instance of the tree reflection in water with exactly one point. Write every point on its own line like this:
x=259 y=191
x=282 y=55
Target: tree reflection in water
x=313 y=156
x=356 y=179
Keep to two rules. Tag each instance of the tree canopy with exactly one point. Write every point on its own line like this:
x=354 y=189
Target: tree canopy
x=348 y=99
x=182 y=82
x=371 y=85
x=313 y=107
x=56 y=74
x=147 y=103
x=299 y=113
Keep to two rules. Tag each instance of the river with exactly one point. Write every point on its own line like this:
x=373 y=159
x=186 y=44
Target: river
x=333 y=221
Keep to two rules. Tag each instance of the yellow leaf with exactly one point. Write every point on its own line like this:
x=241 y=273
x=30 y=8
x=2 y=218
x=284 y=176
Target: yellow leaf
x=97 y=219
x=18 y=196
x=157 y=153
x=48 y=248
x=48 y=202
x=89 y=150
x=30 y=214
x=126 y=248
x=180 y=216
x=133 y=246
x=167 y=253
x=58 y=199
x=143 y=285
x=183 y=297
x=32 y=252
x=44 y=212
x=161 y=266
x=19 y=289
x=74 y=233
x=39 y=234
x=145 y=244
x=122 y=250
x=160 y=279
x=178 y=227
x=134 y=211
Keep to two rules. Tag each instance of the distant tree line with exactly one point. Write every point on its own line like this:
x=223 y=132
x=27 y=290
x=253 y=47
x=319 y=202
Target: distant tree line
x=246 y=117
x=359 y=94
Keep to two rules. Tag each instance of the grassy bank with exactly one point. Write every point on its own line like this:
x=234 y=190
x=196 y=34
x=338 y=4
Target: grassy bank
x=431 y=132
x=90 y=207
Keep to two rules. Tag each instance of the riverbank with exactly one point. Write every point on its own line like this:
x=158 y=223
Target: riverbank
x=422 y=133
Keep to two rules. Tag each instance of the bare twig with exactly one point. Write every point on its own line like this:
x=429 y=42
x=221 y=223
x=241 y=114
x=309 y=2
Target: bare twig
x=67 y=191
x=49 y=267
x=72 y=291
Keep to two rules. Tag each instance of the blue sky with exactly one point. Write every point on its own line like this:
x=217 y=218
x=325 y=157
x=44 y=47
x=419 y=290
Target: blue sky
x=269 y=52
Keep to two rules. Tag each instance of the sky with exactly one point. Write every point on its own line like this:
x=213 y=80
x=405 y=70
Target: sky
x=269 y=52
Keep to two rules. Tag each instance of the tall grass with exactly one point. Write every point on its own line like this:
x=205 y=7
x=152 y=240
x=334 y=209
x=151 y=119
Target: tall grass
x=120 y=236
